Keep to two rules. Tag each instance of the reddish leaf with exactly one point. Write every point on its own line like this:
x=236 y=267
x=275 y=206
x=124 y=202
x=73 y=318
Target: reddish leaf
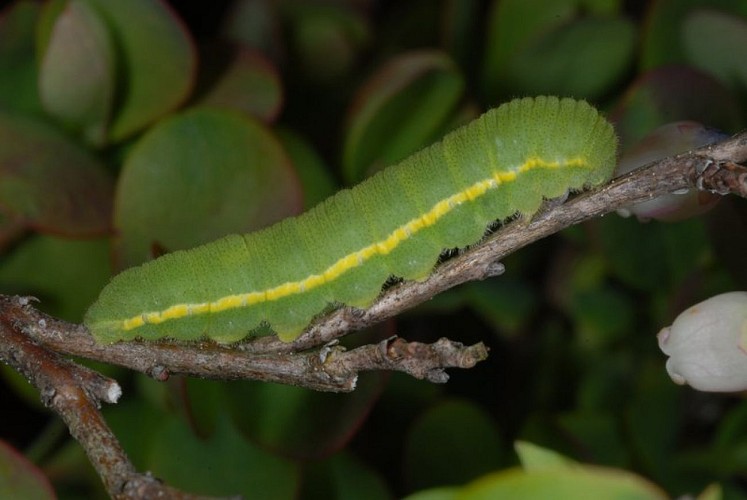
x=50 y=182
x=158 y=59
x=20 y=478
x=242 y=79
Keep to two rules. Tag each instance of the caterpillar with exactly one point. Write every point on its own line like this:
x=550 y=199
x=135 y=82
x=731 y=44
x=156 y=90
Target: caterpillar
x=396 y=223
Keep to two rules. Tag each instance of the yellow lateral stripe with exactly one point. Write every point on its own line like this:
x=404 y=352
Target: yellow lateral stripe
x=352 y=260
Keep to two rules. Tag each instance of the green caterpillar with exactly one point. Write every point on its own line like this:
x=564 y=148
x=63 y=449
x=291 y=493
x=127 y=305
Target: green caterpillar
x=395 y=223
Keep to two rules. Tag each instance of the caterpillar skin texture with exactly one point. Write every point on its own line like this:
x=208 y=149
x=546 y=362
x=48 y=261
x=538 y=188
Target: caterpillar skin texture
x=342 y=251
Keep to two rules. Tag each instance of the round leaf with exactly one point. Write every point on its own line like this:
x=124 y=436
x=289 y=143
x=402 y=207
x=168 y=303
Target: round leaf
x=224 y=464
x=343 y=476
x=242 y=79
x=402 y=108
x=663 y=41
x=512 y=25
x=326 y=38
x=66 y=275
x=198 y=176
x=19 y=478
x=297 y=422
x=318 y=184
x=76 y=75
x=50 y=182
x=158 y=59
x=582 y=482
x=452 y=443
x=717 y=43
x=583 y=58
x=526 y=35
x=18 y=71
x=443 y=493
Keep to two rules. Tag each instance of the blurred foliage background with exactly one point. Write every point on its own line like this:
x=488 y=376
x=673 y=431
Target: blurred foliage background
x=128 y=129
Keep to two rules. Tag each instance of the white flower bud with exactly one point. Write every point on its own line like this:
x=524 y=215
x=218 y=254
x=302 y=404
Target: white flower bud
x=707 y=344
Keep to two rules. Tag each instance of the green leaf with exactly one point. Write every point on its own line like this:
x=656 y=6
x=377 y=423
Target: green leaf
x=435 y=494
x=548 y=47
x=138 y=440
x=602 y=316
x=325 y=38
x=535 y=458
x=712 y=492
x=506 y=304
x=200 y=175
x=595 y=434
x=584 y=58
x=66 y=275
x=77 y=71
x=224 y=464
x=341 y=477
x=654 y=420
x=665 y=254
x=19 y=478
x=318 y=184
x=20 y=386
x=18 y=72
x=665 y=95
x=403 y=107
x=459 y=18
x=158 y=62
x=200 y=403
x=580 y=482
x=240 y=78
x=663 y=43
x=255 y=24
x=732 y=429
x=50 y=182
x=717 y=43
x=451 y=443
x=297 y=422
x=512 y=25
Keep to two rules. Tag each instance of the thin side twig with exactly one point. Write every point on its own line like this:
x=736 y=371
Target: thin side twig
x=422 y=361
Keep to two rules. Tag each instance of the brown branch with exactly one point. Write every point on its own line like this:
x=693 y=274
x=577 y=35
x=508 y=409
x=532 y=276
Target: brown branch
x=311 y=369
x=714 y=168
x=75 y=393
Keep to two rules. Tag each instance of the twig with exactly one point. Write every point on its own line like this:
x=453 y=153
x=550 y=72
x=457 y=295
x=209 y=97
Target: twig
x=422 y=361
